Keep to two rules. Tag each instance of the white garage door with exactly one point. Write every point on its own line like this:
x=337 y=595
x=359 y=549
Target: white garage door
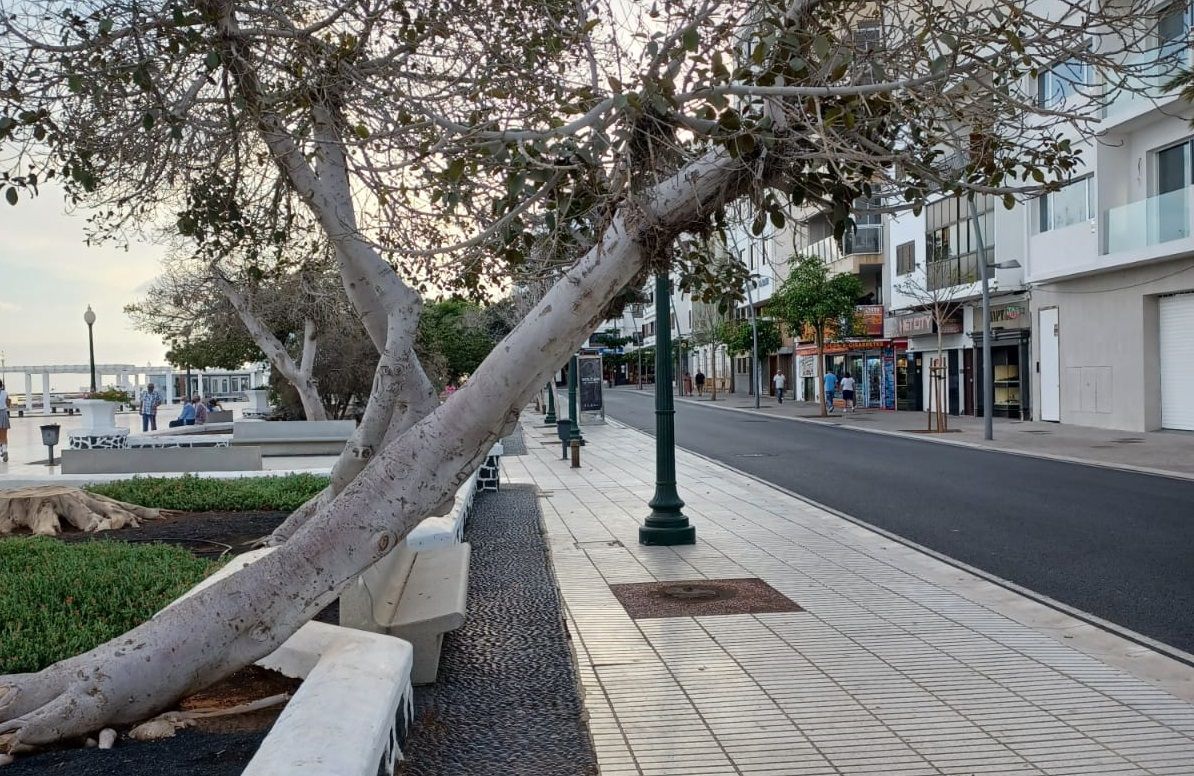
x=1177 y=362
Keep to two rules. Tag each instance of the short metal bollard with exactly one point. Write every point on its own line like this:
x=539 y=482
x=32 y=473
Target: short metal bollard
x=575 y=454
x=562 y=428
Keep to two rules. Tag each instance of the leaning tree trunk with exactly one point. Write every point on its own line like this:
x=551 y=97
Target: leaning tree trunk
x=250 y=613
x=300 y=375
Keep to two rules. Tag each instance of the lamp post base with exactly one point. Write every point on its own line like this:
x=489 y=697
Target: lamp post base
x=666 y=530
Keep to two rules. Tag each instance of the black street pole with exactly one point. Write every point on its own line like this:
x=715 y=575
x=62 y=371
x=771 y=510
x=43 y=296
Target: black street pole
x=666 y=525
x=89 y=319
x=550 y=417
x=573 y=425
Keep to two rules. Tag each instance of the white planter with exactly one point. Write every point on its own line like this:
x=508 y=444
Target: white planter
x=258 y=400
x=99 y=416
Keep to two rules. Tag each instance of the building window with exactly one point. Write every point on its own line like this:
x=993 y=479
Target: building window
x=1173 y=30
x=1069 y=205
x=1061 y=82
x=951 y=240
x=905 y=257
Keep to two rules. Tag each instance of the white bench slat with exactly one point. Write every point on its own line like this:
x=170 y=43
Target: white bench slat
x=436 y=592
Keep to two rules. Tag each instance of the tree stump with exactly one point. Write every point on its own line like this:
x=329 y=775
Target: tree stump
x=46 y=509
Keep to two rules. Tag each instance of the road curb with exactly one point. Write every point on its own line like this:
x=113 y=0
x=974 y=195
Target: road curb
x=1139 y=639
x=1126 y=467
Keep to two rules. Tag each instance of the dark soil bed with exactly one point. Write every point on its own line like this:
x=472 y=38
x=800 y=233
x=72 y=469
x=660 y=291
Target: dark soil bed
x=221 y=746
x=210 y=534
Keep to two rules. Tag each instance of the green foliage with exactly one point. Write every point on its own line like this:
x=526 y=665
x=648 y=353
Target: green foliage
x=113 y=395
x=739 y=338
x=230 y=348
x=457 y=335
x=811 y=297
x=58 y=600
x=204 y=494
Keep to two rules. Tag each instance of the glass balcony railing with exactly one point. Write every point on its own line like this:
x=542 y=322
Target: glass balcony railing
x=960 y=270
x=1149 y=221
x=866 y=239
x=1142 y=79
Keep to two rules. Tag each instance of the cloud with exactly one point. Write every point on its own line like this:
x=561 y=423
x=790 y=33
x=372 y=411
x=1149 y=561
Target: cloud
x=9 y=307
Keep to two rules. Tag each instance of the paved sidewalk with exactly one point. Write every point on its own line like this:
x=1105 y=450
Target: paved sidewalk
x=1170 y=452
x=900 y=664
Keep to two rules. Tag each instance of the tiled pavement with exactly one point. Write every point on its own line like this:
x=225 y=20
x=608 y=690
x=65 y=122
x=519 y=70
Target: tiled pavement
x=900 y=665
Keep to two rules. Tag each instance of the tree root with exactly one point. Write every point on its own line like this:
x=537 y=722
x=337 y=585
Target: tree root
x=166 y=725
x=46 y=509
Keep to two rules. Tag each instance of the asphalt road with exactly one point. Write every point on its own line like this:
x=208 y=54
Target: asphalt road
x=1118 y=545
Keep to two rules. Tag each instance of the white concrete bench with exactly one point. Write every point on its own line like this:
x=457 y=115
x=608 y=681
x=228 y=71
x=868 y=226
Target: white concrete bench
x=158 y=460
x=294 y=437
x=416 y=595
x=161 y=441
x=449 y=529
x=355 y=696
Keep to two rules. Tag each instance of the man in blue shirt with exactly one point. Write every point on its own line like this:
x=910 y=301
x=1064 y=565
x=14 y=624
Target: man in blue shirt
x=830 y=387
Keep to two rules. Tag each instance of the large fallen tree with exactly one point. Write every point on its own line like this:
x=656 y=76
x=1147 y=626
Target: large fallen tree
x=471 y=144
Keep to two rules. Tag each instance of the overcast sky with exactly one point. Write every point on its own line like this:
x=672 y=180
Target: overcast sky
x=47 y=279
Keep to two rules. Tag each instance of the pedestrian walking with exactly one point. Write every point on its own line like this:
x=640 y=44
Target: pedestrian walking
x=830 y=388
x=847 y=393
x=4 y=423
x=150 y=401
x=779 y=381
x=700 y=382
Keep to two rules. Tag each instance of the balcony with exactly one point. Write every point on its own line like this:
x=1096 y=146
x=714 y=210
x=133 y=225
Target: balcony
x=1143 y=80
x=1148 y=222
x=960 y=270
x=860 y=247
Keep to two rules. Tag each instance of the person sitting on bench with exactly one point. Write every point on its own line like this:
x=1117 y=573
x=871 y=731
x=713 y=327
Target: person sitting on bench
x=186 y=418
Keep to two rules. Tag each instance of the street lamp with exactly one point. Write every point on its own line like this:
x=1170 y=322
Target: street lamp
x=988 y=366
x=666 y=525
x=89 y=319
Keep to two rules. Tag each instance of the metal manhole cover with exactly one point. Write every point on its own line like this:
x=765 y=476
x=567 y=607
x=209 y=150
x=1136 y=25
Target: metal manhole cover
x=1128 y=440
x=701 y=598
x=688 y=592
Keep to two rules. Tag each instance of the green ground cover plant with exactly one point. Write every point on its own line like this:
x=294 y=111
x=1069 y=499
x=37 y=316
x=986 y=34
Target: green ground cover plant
x=59 y=599
x=204 y=494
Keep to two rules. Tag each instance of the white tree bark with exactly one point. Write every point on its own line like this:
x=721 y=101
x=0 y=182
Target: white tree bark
x=249 y=614
x=300 y=375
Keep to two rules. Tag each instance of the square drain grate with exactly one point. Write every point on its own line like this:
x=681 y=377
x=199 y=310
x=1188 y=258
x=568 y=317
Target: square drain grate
x=701 y=598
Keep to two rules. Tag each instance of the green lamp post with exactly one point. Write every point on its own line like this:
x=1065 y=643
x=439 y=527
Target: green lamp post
x=666 y=525
x=573 y=426
x=550 y=418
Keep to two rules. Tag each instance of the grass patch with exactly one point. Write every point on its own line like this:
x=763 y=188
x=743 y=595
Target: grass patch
x=204 y=494
x=58 y=600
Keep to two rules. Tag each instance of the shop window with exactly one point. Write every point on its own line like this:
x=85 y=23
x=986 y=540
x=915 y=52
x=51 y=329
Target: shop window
x=1069 y=205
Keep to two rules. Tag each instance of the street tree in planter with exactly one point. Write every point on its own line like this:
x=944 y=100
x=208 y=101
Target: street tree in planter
x=810 y=298
x=942 y=303
x=458 y=147
x=739 y=339
x=708 y=330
